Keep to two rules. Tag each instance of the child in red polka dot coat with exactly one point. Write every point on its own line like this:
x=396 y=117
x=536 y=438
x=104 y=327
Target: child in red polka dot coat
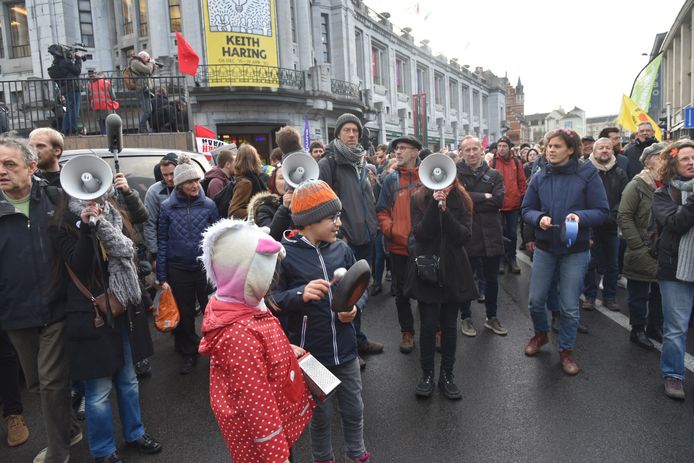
x=257 y=391
x=304 y=293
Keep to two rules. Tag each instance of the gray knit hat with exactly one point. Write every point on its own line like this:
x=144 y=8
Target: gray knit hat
x=654 y=150
x=186 y=170
x=312 y=201
x=345 y=118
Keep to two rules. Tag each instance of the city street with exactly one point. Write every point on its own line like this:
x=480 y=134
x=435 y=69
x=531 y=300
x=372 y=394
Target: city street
x=514 y=408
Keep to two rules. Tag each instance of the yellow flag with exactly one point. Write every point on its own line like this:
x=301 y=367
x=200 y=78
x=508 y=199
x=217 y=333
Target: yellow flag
x=630 y=116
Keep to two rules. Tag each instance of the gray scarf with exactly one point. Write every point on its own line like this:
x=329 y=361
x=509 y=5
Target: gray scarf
x=122 y=275
x=354 y=156
x=685 y=255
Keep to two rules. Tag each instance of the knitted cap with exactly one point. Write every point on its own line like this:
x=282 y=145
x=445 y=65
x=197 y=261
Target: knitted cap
x=186 y=170
x=345 y=118
x=654 y=150
x=506 y=140
x=313 y=201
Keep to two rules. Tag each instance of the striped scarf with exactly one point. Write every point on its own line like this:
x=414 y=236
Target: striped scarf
x=685 y=255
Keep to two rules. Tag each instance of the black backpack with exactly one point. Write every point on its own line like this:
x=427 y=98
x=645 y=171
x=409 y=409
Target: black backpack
x=223 y=198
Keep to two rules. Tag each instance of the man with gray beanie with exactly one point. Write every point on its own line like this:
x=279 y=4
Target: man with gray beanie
x=343 y=168
x=183 y=218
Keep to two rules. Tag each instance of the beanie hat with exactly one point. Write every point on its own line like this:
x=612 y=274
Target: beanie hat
x=345 y=118
x=171 y=158
x=240 y=260
x=654 y=150
x=506 y=140
x=185 y=170
x=313 y=201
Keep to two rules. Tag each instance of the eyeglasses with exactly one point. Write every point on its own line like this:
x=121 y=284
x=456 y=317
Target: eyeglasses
x=335 y=218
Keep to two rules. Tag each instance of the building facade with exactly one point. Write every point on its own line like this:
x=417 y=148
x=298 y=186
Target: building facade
x=334 y=56
x=519 y=129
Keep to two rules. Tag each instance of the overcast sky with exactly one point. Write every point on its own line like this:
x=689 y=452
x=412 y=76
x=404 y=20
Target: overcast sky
x=583 y=54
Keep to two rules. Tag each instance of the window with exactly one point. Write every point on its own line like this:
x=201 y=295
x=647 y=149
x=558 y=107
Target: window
x=453 y=94
x=2 y=47
x=466 y=99
x=359 y=45
x=475 y=103
x=292 y=17
x=402 y=74
x=144 y=29
x=127 y=9
x=568 y=124
x=19 y=30
x=484 y=107
x=378 y=63
x=175 y=15
x=325 y=36
x=86 y=27
x=439 y=91
x=422 y=79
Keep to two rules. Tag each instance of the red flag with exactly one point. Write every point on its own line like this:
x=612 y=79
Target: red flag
x=187 y=58
x=203 y=132
x=485 y=142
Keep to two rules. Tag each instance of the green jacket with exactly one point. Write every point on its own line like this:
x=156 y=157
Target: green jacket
x=634 y=219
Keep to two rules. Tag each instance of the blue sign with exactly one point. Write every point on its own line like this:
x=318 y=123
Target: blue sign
x=689 y=118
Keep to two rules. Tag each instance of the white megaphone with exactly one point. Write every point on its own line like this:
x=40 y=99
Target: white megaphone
x=299 y=167
x=437 y=171
x=86 y=177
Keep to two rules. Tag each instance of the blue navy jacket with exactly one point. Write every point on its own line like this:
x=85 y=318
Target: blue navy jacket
x=557 y=191
x=314 y=326
x=181 y=223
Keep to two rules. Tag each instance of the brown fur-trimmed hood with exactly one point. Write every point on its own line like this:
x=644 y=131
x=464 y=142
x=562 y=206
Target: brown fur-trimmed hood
x=261 y=199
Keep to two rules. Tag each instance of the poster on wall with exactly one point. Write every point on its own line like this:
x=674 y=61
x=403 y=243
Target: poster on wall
x=241 y=38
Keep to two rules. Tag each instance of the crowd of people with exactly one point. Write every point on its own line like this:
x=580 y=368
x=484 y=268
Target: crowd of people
x=588 y=213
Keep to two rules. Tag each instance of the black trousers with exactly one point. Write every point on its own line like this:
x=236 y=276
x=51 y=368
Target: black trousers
x=9 y=378
x=188 y=288
x=432 y=317
x=402 y=303
x=363 y=251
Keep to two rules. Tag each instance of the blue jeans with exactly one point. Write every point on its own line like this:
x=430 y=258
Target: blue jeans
x=604 y=259
x=678 y=297
x=509 y=220
x=99 y=417
x=571 y=269
x=351 y=409
x=72 y=112
x=487 y=269
x=379 y=259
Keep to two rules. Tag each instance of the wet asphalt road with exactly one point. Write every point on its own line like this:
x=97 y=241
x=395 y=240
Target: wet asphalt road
x=514 y=408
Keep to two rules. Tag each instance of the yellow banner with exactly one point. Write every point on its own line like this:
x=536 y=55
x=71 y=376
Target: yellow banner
x=630 y=116
x=241 y=38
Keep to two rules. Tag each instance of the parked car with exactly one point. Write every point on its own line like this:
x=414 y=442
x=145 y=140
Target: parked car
x=137 y=163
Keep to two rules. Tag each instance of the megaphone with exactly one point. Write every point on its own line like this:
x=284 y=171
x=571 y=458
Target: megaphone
x=437 y=171
x=299 y=167
x=86 y=177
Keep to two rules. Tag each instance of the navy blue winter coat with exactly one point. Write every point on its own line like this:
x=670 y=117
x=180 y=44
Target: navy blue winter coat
x=314 y=326
x=181 y=223
x=557 y=191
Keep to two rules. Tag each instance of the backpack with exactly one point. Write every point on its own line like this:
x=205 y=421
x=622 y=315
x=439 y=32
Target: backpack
x=223 y=199
x=205 y=184
x=128 y=78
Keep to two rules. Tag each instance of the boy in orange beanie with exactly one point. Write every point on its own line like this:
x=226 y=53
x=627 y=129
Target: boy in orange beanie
x=304 y=293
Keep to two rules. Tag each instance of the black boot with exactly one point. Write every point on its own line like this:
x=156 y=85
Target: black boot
x=655 y=333
x=448 y=387
x=638 y=337
x=425 y=388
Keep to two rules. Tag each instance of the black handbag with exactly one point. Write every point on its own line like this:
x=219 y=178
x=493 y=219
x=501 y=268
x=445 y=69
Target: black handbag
x=428 y=269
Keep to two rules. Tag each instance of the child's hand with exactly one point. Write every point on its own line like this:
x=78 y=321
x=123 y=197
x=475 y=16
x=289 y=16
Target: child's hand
x=316 y=290
x=298 y=351
x=347 y=317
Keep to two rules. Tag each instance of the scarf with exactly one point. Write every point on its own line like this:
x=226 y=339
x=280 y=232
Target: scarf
x=354 y=156
x=685 y=255
x=122 y=275
x=603 y=167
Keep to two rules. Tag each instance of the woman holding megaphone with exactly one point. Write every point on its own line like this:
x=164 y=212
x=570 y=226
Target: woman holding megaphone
x=440 y=277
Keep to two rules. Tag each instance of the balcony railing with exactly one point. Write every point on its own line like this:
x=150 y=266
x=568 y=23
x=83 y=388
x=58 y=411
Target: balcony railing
x=227 y=75
x=344 y=88
x=37 y=103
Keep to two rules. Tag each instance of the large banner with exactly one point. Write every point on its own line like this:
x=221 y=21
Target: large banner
x=643 y=85
x=241 y=38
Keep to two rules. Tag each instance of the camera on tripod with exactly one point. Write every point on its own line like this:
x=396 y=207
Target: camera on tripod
x=70 y=52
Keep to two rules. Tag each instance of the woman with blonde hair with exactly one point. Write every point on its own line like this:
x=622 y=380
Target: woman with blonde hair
x=247 y=170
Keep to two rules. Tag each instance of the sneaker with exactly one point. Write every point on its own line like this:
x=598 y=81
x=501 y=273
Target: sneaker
x=482 y=299
x=370 y=348
x=146 y=444
x=588 y=304
x=437 y=340
x=364 y=458
x=611 y=304
x=143 y=369
x=568 y=364
x=448 y=387
x=41 y=456
x=189 y=363
x=495 y=325
x=407 y=343
x=425 y=387
x=674 y=388
x=17 y=431
x=113 y=458
x=536 y=343
x=622 y=282
x=467 y=328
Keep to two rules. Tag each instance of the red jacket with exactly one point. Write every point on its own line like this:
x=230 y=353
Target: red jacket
x=514 y=181
x=393 y=208
x=257 y=389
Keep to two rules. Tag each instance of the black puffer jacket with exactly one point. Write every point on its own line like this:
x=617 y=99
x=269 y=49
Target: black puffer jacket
x=614 y=181
x=633 y=153
x=487 y=236
x=67 y=73
x=674 y=220
x=444 y=234
x=31 y=293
